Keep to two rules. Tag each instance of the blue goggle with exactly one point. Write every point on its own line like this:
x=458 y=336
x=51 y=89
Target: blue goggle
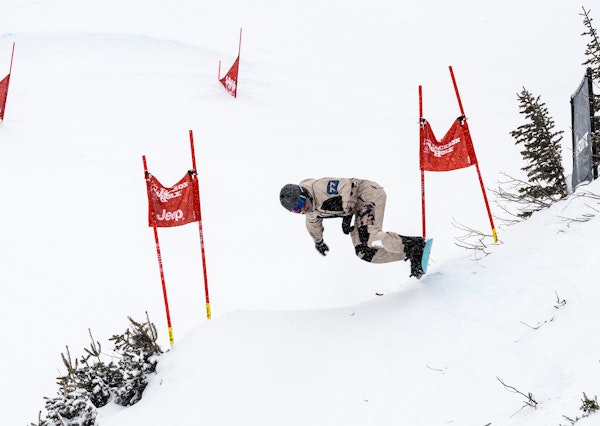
x=299 y=204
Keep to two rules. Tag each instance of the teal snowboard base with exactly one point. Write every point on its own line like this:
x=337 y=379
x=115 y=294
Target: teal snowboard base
x=426 y=251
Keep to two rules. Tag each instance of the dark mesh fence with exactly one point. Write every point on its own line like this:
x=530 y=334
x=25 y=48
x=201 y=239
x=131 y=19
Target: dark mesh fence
x=584 y=151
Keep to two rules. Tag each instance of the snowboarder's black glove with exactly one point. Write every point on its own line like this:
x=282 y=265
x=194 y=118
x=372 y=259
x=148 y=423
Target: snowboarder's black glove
x=363 y=234
x=346 y=227
x=322 y=247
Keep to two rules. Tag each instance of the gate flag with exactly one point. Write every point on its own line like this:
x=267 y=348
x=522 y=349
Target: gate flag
x=4 y=85
x=174 y=206
x=3 y=95
x=230 y=80
x=454 y=151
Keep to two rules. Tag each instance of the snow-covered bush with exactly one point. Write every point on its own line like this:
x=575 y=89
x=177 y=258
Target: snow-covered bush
x=91 y=383
x=72 y=409
x=138 y=350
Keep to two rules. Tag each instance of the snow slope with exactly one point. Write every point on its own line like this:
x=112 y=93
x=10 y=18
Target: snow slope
x=326 y=88
x=432 y=352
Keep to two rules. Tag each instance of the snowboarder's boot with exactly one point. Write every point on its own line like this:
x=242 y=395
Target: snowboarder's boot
x=413 y=249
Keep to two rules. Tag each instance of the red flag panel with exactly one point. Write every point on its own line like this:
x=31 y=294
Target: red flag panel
x=174 y=206
x=3 y=94
x=230 y=80
x=454 y=151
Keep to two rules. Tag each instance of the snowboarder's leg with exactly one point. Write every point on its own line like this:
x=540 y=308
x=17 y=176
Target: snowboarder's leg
x=374 y=245
x=370 y=218
x=378 y=255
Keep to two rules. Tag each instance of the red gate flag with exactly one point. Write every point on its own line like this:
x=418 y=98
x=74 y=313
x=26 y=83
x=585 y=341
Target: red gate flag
x=3 y=95
x=230 y=80
x=174 y=206
x=4 y=86
x=454 y=151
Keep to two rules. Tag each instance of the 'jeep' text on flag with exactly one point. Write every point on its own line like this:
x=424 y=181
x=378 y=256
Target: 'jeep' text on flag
x=454 y=151
x=172 y=206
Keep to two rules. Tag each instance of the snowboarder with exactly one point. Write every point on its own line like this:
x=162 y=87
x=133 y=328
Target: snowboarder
x=319 y=199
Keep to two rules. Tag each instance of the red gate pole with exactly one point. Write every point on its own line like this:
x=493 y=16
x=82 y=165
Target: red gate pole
x=238 y=64
x=197 y=194
x=421 y=129
x=12 y=55
x=485 y=199
x=160 y=265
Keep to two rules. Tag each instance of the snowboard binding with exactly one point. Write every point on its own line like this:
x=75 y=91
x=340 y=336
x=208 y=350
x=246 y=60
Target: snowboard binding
x=417 y=250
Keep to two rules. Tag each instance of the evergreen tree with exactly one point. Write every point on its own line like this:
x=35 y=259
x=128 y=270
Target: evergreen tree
x=592 y=54
x=139 y=356
x=542 y=153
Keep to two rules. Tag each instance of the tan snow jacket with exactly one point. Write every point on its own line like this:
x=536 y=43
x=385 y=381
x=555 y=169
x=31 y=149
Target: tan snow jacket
x=330 y=197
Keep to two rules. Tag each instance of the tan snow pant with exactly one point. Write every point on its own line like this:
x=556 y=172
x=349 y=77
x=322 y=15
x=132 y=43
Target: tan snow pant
x=382 y=247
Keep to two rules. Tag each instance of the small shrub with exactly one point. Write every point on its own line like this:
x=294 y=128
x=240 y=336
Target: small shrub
x=73 y=409
x=589 y=406
x=139 y=350
x=90 y=383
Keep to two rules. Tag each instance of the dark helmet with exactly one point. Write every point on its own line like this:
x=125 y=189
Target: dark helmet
x=289 y=196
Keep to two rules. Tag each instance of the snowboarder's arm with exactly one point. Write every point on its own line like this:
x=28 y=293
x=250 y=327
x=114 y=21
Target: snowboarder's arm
x=346 y=224
x=314 y=225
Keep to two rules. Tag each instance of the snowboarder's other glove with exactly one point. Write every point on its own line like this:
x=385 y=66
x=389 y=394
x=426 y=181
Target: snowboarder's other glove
x=363 y=234
x=346 y=227
x=322 y=247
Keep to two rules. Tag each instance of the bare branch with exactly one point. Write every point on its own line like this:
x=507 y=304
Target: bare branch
x=512 y=192
x=540 y=324
x=584 y=217
x=559 y=302
x=530 y=399
x=472 y=239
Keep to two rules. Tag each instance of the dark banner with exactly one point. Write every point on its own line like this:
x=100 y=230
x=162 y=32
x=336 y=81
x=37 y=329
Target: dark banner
x=581 y=118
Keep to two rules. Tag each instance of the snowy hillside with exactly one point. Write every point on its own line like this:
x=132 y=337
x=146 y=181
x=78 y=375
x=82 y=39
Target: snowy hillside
x=326 y=88
x=432 y=352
